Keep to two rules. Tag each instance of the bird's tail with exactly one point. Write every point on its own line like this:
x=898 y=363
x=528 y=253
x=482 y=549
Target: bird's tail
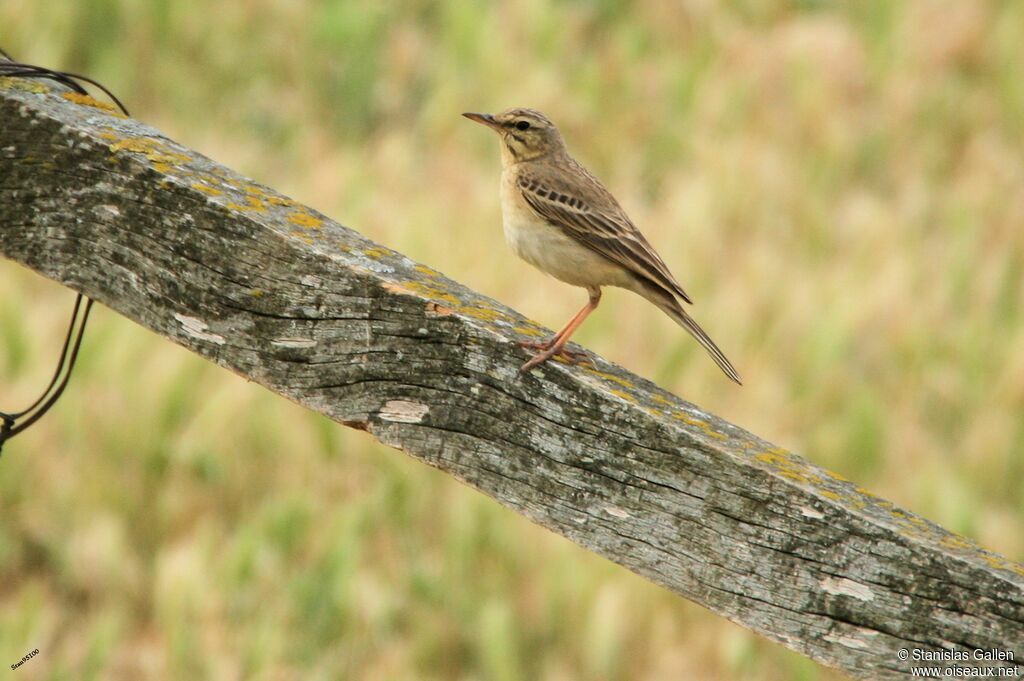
x=674 y=309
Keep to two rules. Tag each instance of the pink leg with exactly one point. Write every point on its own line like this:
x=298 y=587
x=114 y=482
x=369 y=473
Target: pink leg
x=556 y=345
x=547 y=344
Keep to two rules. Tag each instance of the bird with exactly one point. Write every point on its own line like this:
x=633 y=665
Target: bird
x=558 y=217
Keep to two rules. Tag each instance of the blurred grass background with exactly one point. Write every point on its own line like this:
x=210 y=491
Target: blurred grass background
x=840 y=186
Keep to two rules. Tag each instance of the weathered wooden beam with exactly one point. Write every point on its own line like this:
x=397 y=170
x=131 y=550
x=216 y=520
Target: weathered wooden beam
x=314 y=311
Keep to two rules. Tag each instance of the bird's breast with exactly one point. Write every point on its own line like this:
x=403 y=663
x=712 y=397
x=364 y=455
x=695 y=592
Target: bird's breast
x=547 y=247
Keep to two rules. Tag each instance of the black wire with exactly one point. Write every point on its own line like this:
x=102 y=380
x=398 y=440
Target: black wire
x=18 y=70
x=76 y=329
x=11 y=431
x=60 y=364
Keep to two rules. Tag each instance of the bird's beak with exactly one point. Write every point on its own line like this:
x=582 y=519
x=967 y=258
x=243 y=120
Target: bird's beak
x=485 y=119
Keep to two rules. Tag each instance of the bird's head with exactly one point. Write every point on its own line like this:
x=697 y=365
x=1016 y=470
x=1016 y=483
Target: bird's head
x=525 y=133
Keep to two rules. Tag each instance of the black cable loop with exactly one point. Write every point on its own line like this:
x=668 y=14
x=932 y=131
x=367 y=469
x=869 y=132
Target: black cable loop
x=76 y=329
x=60 y=364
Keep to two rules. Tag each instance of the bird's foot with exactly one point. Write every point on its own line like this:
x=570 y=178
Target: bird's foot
x=568 y=356
x=538 y=345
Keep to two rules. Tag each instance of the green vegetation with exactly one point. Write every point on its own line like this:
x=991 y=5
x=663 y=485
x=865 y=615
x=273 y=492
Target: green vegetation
x=840 y=186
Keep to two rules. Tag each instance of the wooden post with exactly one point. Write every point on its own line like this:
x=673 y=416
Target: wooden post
x=314 y=311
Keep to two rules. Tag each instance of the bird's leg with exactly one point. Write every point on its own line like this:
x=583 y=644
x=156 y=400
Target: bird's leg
x=550 y=342
x=556 y=345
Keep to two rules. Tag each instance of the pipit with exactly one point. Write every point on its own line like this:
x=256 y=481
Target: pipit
x=560 y=219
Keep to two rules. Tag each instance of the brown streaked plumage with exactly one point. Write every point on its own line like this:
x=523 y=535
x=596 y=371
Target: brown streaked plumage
x=561 y=219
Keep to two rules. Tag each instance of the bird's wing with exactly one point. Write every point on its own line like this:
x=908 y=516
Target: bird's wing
x=593 y=217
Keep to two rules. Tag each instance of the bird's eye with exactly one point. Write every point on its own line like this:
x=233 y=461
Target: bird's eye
x=523 y=125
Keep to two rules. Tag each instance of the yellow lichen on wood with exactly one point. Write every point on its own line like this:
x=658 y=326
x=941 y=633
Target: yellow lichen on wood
x=428 y=271
x=25 y=85
x=783 y=463
x=279 y=200
x=395 y=287
x=629 y=397
x=624 y=382
x=154 y=150
x=304 y=219
x=1000 y=563
x=658 y=398
x=86 y=100
x=795 y=475
x=955 y=541
x=697 y=423
x=879 y=501
x=483 y=314
x=438 y=294
x=529 y=331
x=376 y=252
x=425 y=291
x=910 y=523
x=206 y=189
x=251 y=204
